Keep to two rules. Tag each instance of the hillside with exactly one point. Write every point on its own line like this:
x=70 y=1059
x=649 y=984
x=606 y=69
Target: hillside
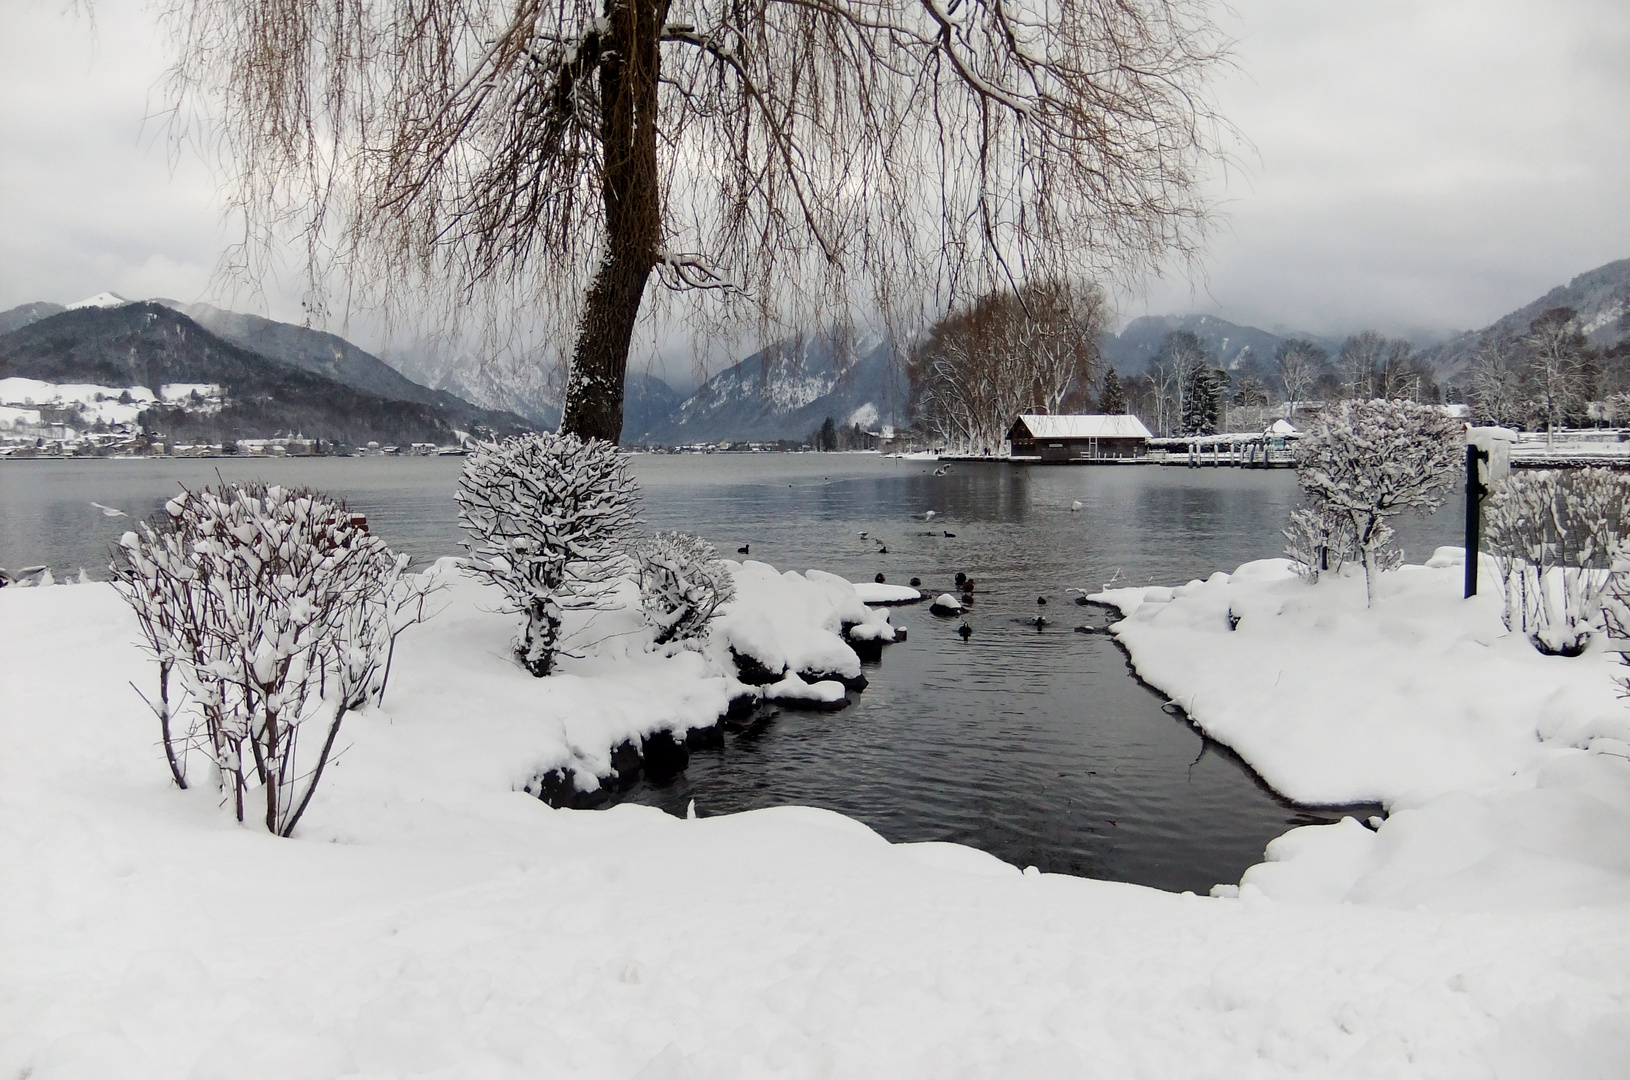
x=787 y=390
x=150 y=344
x=335 y=358
x=1233 y=345
x=1601 y=297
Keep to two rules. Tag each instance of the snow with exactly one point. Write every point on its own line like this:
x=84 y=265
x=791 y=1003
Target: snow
x=879 y=593
x=1123 y=426
x=181 y=391
x=1503 y=771
x=95 y=402
x=945 y=604
x=100 y=300
x=429 y=918
x=794 y=622
x=10 y=417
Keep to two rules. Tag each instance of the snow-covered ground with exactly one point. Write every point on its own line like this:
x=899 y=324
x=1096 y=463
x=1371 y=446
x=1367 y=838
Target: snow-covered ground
x=1505 y=773
x=432 y=919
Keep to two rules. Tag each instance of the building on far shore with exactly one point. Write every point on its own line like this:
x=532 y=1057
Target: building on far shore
x=1064 y=439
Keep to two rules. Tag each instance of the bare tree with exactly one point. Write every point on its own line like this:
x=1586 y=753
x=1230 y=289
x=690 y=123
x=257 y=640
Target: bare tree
x=1300 y=363
x=1009 y=353
x=758 y=157
x=1497 y=380
x=1558 y=367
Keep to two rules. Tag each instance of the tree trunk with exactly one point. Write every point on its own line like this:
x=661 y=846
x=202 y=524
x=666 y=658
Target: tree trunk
x=629 y=187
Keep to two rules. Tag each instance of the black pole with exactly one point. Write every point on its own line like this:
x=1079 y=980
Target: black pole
x=1474 y=515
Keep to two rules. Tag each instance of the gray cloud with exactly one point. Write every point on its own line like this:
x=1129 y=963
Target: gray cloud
x=1416 y=167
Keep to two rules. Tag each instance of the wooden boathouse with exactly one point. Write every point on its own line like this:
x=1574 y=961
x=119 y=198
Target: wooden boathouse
x=1079 y=439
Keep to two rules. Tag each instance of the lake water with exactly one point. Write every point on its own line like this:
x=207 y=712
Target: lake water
x=1035 y=745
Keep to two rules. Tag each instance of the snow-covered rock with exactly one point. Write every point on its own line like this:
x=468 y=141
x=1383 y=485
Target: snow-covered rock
x=945 y=604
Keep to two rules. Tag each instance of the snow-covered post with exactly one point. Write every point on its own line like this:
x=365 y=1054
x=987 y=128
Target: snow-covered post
x=1488 y=461
x=1367 y=461
x=546 y=514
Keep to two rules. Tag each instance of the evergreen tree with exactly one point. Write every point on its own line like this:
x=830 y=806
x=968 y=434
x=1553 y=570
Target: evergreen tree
x=829 y=436
x=1202 y=400
x=1113 y=399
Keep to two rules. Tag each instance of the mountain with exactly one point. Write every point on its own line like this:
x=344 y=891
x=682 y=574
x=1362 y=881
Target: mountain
x=520 y=386
x=18 y=317
x=787 y=390
x=151 y=344
x=335 y=358
x=648 y=402
x=1234 y=346
x=1601 y=297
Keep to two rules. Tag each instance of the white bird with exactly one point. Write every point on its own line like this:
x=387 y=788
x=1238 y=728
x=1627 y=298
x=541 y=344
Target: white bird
x=1075 y=505
x=929 y=516
x=943 y=470
x=108 y=511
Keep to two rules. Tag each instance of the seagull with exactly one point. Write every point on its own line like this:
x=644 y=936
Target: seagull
x=942 y=470
x=108 y=511
x=929 y=516
x=1075 y=505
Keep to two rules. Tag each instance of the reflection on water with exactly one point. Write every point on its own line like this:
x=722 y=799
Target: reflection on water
x=1032 y=744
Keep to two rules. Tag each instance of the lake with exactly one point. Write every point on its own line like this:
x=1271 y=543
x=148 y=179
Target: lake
x=1036 y=745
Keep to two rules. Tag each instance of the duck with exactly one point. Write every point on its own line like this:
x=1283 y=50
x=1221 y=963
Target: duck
x=744 y=549
x=950 y=534
x=879 y=579
x=965 y=630
x=1041 y=601
x=916 y=582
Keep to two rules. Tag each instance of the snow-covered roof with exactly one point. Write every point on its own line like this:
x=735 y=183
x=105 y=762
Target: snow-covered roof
x=1085 y=427
x=1280 y=427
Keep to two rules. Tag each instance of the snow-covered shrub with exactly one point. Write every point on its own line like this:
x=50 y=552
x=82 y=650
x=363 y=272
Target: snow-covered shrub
x=546 y=515
x=683 y=583
x=1317 y=541
x=1367 y=461
x=1554 y=536
x=270 y=611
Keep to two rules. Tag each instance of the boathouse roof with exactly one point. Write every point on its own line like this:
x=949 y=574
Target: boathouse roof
x=1084 y=427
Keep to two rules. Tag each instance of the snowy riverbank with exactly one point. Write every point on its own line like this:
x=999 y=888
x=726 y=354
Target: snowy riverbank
x=1506 y=773
x=433 y=919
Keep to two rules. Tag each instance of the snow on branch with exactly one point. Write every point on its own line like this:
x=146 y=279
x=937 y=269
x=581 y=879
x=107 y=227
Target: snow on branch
x=546 y=515
x=1366 y=461
x=270 y=610
x=683 y=584
x=1555 y=536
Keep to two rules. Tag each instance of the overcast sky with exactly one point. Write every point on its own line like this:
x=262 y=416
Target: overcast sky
x=1417 y=167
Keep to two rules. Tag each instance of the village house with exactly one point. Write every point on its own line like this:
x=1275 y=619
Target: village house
x=1064 y=439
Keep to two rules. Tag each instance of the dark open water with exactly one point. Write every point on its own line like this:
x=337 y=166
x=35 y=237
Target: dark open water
x=1037 y=746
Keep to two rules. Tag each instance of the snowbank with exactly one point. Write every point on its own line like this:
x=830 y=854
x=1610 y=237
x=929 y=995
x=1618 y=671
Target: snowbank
x=431 y=919
x=1503 y=771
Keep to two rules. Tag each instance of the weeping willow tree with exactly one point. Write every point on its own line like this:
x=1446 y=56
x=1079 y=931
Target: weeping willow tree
x=760 y=159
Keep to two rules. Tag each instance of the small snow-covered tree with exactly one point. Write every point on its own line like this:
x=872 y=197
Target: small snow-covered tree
x=683 y=584
x=1318 y=540
x=547 y=515
x=1367 y=461
x=270 y=610
x=1555 y=536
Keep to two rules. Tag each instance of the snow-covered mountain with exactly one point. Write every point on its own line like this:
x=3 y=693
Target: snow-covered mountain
x=1233 y=345
x=788 y=390
x=1601 y=297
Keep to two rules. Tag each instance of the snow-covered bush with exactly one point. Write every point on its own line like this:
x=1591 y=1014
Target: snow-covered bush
x=683 y=583
x=1317 y=541
x=1366 y=461
x=270 y=610
x=546 y=515
x=1555 y=535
